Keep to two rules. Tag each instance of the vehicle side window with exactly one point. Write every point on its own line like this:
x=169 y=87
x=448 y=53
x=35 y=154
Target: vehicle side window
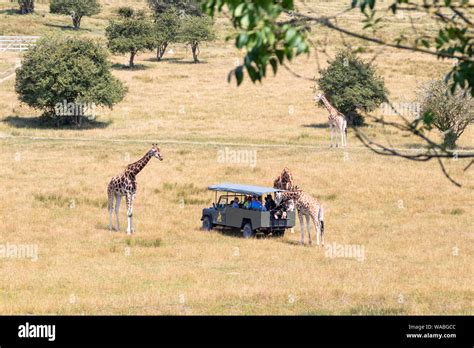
x=222 y=202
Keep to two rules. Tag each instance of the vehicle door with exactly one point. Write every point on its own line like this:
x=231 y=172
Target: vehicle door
x=222 y=205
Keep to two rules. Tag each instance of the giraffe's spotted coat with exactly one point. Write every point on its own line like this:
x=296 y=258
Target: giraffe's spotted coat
x=125 y=184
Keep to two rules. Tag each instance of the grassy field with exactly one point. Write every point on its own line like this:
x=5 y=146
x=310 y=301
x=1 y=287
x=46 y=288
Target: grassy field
x=415 y=228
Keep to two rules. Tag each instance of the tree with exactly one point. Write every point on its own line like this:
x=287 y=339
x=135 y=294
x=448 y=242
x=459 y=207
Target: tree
x=195 y=30
x=184 y=7
x=352 y=84
x=26 y=6
x=76 y=9
x=167 y=26
x=451 y=113
x=132 y=33
x=67 y=70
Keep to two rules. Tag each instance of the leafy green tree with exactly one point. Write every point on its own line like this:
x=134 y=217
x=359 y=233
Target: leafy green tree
x=26 y=6
x=195 y=30
x=76 y=9
x=184 y=7
x=131 y=34
x=450 y=113
x=352 y=84
x=167 y=26
x=67 y=70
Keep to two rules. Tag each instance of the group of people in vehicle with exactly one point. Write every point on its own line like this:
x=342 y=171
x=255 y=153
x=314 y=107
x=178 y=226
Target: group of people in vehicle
x=255 y=203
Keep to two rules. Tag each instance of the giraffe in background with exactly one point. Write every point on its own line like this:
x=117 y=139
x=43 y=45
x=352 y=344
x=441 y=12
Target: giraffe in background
x=125 y=184
x=337 y=121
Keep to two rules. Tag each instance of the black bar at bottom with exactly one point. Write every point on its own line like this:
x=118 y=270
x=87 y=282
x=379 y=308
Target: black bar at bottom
x=453 y=331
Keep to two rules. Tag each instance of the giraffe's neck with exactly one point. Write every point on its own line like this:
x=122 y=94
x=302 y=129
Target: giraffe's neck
x=294 y=195
x=328 y=105
x=136 y=167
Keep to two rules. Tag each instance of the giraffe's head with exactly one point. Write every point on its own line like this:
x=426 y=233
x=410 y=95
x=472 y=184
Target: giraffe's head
x=317 y=97
x=155 y=152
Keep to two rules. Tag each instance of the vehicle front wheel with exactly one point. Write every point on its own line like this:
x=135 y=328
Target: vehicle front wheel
x=279 y=233
x=206 y=223
x=248 y=232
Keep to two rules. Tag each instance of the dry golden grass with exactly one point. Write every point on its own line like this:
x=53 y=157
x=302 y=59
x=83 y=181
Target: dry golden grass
x=416 y=228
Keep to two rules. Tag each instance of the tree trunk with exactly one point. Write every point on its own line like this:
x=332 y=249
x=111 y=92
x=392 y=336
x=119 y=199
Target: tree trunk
x=76 y=21
x=27 y=6
x=195 y=49
x=161 y=51
x=132 y=59
x=450 y=138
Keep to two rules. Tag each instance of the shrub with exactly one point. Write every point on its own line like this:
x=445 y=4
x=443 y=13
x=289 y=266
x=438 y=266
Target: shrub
x=450 y=113
x=195 y=30
x=76 y=9
x=184 y=7
x=167 y=26
x=60 y=71
x=352 y=85
x=131 y=34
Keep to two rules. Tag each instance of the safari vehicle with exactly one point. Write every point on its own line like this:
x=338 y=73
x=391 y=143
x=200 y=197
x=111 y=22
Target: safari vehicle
x=249 y=221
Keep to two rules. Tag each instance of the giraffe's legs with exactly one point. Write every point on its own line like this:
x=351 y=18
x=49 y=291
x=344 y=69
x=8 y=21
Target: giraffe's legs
x=118 y=198
x=343 y=135
x=111 y=208
x=129 y=199
x=344 y=130
x=308 y=227
x=300 y=217
x=331 y=131
x=317 y=228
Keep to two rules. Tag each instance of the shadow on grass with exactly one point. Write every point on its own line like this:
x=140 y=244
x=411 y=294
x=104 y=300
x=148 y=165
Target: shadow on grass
x=317 y=125
x=292 y=242
x=155 y=60
x=326 y=125
x=187 y=62
x=41 y=122
x=126 y=67
x=10 y=12
x=237 y=233
x=66 y=27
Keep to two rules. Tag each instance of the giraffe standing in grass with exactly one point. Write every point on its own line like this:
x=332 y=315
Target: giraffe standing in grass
x=308 y=207
x=125 y=184
x=337 y=121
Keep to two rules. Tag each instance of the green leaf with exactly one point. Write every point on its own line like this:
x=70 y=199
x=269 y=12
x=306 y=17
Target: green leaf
x=274 y=64
x=245 y=21
x=239 y=75
x=290 y=34
x=239 y=10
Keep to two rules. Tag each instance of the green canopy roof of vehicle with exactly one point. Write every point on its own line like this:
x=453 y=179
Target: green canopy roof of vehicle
x=245 y=189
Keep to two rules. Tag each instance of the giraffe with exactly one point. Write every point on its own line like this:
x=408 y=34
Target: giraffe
x=308 y=207
x=125 y=184
x=284 y=181
x=337 y=121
